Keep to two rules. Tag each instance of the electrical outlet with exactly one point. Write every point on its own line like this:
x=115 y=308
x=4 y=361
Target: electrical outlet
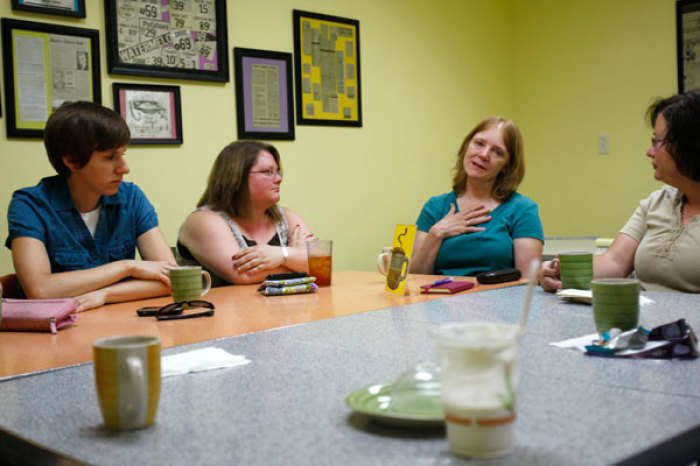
x=604 y=144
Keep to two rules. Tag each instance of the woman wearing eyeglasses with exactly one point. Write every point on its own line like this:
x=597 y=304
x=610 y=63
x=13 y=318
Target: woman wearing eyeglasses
x=661 y=240
x=239 y=232
x=483 y=224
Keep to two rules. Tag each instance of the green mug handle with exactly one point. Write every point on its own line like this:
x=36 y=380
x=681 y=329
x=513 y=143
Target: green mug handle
x=207 y=282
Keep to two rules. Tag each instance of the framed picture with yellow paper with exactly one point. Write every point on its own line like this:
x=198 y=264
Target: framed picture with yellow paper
x=327 y=70
x=45 y=65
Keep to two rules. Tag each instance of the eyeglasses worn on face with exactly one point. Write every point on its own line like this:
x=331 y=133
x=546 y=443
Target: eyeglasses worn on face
x=173 y=311
x=657 y=142
x=269 y=173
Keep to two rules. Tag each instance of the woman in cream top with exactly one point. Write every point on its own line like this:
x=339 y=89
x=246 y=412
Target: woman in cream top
x=661 y=240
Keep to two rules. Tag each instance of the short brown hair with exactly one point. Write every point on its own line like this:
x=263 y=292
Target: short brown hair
x=513 y=172
x=682 y=115
x=227 y=187
x=77 y=129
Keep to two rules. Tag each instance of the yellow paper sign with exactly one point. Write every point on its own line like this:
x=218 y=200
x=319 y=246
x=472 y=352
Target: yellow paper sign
x=401 y=251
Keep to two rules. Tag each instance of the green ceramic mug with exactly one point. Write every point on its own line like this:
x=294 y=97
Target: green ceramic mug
x=615 y=303
x=188 y=283
x=576 y=270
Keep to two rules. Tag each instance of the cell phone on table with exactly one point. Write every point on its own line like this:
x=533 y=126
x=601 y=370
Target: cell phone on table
x=285 y=276
x=147 y=311
x=498 y=276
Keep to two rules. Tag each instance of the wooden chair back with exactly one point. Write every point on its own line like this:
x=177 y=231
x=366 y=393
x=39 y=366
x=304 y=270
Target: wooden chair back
x=9 y=285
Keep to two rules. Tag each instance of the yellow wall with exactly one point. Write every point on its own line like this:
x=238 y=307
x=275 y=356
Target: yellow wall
x=584 y=68
x=426 y=77
x=566 y=71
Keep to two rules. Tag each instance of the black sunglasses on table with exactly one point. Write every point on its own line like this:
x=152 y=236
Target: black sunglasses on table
x=682 y=342
x=174 y=311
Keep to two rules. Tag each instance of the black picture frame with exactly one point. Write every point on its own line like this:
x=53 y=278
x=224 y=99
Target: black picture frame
x=46 y=85
x=77 y=10
x=168 y=49
x=688 y=44
x=274 y=117
x=152 y=112
x=319 y=42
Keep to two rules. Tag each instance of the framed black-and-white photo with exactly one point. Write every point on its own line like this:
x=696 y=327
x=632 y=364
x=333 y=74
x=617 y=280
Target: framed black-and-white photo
x=688 y=44
x=45 y=65
x=181 y=39
x=264 y=105
x=152 y=113
x=327 y=69
x=75 y=8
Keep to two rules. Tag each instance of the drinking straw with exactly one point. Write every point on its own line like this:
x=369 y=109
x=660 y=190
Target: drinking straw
x=534 y=268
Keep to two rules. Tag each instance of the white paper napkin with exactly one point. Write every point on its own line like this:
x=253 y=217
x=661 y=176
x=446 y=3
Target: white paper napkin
x=586 y=296
x=578 y=343
x=200 y=360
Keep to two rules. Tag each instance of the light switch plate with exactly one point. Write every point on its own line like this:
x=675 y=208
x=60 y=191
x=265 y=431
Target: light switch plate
x=604 y=144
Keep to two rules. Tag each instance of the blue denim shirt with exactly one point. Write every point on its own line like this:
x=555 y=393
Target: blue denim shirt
x=47 y=212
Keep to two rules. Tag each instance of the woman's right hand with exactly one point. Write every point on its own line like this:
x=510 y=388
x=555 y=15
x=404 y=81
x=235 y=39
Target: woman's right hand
x=457 y=223
x=91 y=300
x=550 y=279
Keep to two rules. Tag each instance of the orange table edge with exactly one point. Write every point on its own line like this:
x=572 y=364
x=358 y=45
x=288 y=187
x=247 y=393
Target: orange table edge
x=239 y=309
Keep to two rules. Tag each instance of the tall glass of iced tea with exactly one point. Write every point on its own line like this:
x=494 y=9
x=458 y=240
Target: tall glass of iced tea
x=320 y=255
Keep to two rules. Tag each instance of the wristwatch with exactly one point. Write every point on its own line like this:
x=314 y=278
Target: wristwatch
x=285 y=254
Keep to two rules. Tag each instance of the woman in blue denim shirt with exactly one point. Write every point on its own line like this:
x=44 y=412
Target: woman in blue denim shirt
x=75 y=234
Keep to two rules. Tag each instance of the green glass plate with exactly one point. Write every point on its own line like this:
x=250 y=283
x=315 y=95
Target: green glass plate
x=375 y=401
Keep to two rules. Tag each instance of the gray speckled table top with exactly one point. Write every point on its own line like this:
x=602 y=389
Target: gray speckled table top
x=287 y=406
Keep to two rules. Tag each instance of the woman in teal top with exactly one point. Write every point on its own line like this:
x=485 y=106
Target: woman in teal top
x=482 y=224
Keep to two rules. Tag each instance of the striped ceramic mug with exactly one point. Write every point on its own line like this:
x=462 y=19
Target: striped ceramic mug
x=127 y=375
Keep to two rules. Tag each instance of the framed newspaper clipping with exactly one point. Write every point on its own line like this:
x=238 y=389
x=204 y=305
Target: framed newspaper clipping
x=152 y=113
x=264 y=105
x=45 y=65
x=688 y=40
x=75 y=8
x=180 y=39
x=327 y=70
